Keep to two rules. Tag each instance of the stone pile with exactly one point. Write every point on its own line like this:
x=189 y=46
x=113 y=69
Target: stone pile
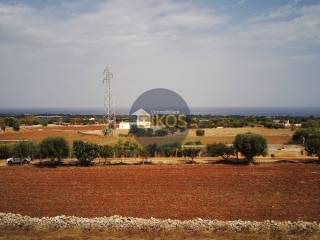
x=9 y=221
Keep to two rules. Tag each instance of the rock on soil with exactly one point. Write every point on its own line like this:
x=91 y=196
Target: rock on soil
x=9 y=221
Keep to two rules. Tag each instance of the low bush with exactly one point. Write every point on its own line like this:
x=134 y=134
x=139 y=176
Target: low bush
x=220 y=150
x=192 y=152
x=161 y=132
x=200 y=132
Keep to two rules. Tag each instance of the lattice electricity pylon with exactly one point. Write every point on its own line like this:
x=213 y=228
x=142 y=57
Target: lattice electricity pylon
x=110 y=116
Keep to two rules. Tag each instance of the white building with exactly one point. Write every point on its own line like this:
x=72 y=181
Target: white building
x=287 y=124
x=125 y=125
x=143 y=120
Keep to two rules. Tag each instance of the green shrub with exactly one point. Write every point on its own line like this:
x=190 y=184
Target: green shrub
x=200 y=132
x=44 y=122
x=273 y=125
x=220 y=150
x=149 y=132
x=106 y=151
x=137 y=131
x=311 y=123
x=191 y=152
x=35 y=121
x=130 y=149
x=168 y=150
x=152 y=149
x=205 y=124
x=161 y=132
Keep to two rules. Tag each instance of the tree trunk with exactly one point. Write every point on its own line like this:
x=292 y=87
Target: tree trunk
x=250 y=160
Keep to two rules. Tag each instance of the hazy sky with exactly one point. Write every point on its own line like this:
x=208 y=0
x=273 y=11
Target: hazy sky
x=213 y=53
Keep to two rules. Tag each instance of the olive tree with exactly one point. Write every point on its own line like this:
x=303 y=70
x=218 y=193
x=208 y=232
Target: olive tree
x=143 y=153
x=126 y=149
x=85 y=152
x=131 y=149
x=54 y=148
x=13 y=122
x=191 y=149
x=24 y=149
x=250 y=145
x=151 y=149
x=312 y=146
x=168 y=150
x=106 y=152
x=5 y=151
x=191 y=152
x=303 y=134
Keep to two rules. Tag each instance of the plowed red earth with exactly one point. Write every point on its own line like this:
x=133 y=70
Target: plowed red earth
x=279 y=192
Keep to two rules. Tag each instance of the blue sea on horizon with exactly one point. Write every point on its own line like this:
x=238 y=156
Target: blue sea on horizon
x=243 y=111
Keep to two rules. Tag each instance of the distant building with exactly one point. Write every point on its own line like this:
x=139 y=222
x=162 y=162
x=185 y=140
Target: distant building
x=143 y=120
x=287 y=124
x=125 y=125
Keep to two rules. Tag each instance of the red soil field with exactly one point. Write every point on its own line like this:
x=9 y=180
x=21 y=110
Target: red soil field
x=70 y=133
x=270 y=191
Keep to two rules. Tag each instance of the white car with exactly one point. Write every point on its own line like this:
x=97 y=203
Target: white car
x=15 y=160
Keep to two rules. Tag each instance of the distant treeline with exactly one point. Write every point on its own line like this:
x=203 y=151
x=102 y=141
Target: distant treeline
x=194 y=121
